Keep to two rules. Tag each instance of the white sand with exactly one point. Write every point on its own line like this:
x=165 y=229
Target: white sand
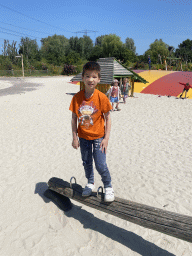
x=149 y=157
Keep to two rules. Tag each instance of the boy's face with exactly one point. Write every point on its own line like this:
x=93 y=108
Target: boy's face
x=90 y=79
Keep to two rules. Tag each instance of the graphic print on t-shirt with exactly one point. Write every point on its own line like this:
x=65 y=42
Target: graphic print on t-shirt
x=114 y=92
x=86 y=111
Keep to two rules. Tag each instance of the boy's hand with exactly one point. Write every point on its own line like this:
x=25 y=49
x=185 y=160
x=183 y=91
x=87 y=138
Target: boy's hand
x=75 y=143
x=104 y=144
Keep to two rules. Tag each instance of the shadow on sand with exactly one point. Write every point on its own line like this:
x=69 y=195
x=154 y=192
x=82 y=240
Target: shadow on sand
x=68 y=93
x=129 y=239
x=19 y=86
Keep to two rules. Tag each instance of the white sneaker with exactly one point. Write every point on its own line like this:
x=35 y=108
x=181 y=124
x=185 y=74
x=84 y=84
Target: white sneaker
x=109 y=195
x=88 y=189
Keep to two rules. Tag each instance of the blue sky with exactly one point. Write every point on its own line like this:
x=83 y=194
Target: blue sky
x=143 y=21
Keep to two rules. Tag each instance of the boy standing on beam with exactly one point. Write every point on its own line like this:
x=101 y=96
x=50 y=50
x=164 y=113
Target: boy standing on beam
x=92 y=110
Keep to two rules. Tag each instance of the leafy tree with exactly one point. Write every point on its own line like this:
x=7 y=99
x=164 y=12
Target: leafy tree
x=5 y=46
x=96 y=53
x=171 y=51
x=111 y=45
x=130 y=44
x=127 y=55
x=73 y=43
x=73 y=57
x=88 y=46
x=10 y=50
x=185 y=50
x=85 y=46
x=29 y=48
x=156 y=49
x=99 y=40
x=54 y=49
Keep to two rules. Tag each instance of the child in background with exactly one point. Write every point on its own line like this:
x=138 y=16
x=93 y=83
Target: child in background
x=125 y=89
x=92 y=110
x=114 y=94
x=187 y=86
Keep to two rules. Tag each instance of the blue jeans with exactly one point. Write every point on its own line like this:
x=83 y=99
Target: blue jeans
x=90 y=149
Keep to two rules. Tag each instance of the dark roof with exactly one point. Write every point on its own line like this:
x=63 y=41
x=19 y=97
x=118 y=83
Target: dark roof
x=111 y=68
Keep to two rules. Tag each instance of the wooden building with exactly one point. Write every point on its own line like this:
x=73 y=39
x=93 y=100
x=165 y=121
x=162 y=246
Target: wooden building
x=111 y=69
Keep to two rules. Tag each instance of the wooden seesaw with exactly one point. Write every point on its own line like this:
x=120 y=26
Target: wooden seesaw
x=173 y=224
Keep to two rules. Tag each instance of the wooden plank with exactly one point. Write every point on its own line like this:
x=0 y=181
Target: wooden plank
x=173 y=224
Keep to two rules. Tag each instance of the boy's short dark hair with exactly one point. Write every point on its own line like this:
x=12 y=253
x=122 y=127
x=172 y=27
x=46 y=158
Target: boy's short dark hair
x=92 y=65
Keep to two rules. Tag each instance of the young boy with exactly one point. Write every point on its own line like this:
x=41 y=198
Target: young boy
x=187 y=86
x=92 y=110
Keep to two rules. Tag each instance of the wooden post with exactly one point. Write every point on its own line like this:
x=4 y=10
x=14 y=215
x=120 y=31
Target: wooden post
x=22 y=64
x=132 y=87
x=165 y=65
x=120 y=82
x=173 y=224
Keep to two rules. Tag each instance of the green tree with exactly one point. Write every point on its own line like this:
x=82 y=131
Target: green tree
x=96 y=53
x=73 y=44
x=72 y=58
x=184 y=50
x=10 y=50
x=84 y=46
x=54 y=49
x=5 y=46
x=127 y=55
x=98 y=40
x=156 y=49
x=29 y=48
x=88 y=46
x=130 y=44
x=111 y=45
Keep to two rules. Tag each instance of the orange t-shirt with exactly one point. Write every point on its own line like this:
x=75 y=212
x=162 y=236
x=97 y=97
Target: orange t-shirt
x=91 y=124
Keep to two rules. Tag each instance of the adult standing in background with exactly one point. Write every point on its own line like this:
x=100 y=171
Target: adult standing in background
x=149 y=62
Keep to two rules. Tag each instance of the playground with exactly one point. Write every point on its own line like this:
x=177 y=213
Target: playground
x=163 y=83
x=149 y=157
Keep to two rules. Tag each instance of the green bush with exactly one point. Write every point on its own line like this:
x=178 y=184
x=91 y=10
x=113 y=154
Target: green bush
x=185 y=67
x=69 y=70
x=55 y=70
x=8 y=65
x=190 y=66
x=138 y=65
x=154 y=67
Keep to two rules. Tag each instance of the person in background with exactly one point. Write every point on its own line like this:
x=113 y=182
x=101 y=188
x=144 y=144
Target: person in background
x=114 y=94
x=149 y=62
x=125 y=88
x=187 y=86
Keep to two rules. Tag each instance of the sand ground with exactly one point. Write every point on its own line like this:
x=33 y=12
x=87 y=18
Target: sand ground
x=149 y=157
